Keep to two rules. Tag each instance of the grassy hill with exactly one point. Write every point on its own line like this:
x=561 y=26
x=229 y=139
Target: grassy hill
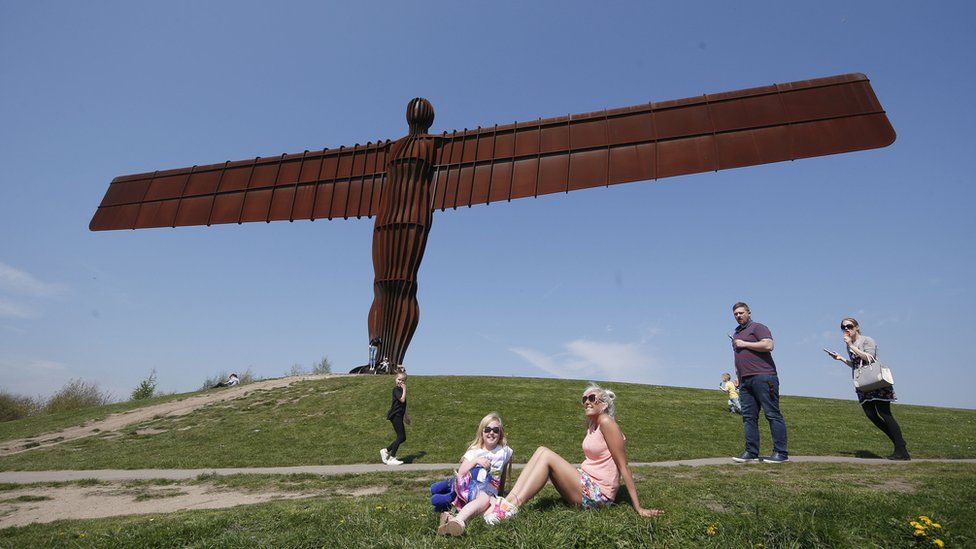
x=341 y=420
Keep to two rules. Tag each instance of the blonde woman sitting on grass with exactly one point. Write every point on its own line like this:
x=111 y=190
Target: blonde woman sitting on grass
x=482 y=474
x=592 y=486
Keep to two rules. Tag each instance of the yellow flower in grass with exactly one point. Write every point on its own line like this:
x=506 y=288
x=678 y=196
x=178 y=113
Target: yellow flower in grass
x=919 y=533
x=936 y=525
x=916 y=525
x=938 y=542
x=925 y=519
x=712 y=529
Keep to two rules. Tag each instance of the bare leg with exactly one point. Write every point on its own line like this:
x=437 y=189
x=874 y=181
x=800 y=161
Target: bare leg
x=478 y=506
x=547 y=465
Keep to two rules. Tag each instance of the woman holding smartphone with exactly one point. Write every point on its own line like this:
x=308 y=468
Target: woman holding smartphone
x=397 y=415
x=876 y=404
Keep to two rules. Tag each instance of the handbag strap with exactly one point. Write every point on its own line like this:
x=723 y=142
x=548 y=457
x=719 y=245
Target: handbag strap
x=863 y=362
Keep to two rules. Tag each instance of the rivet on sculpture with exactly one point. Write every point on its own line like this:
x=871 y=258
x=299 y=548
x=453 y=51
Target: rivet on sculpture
x=403 y=182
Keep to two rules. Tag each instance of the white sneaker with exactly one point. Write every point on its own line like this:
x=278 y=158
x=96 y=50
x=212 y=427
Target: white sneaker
x=384 y=455
x=393 y=461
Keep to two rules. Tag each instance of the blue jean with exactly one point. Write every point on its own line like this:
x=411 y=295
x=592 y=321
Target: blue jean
x=735 y=406
x=442 y=495
x=757 y=392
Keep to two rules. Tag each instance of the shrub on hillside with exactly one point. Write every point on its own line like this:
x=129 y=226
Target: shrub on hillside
x=322 y=367
x=146 y=388
x=17 y=406
x=77 y=394
x=296 y=370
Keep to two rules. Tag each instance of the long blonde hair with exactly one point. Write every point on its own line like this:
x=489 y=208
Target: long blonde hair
x=479 y=438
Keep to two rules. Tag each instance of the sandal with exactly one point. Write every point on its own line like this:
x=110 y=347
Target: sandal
x=452 y=527
x=499 y=510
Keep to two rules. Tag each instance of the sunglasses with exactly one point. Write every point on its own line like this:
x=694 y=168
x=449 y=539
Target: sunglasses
x=496 y=430
x=591 y=398
x=847 y=327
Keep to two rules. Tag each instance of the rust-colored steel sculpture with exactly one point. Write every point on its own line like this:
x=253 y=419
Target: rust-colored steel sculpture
x=403 y=182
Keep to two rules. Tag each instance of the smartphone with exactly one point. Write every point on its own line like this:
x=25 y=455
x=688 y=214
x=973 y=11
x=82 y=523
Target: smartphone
x=730 y=336
x=831 y=353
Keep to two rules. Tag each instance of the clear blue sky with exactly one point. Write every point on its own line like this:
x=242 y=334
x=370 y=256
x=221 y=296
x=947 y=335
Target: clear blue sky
x=632 y=283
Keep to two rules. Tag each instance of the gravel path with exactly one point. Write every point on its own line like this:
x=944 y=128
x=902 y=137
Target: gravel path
x=26 y=477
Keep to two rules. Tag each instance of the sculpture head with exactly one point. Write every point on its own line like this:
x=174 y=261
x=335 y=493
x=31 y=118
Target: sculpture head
x=420 y=115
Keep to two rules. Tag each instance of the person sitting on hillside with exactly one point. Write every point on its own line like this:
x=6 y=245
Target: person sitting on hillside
x=594 y=485
x=484 y=469
x=230 y=382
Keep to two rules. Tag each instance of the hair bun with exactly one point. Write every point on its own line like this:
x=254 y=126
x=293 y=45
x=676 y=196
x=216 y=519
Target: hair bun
x=609 y=395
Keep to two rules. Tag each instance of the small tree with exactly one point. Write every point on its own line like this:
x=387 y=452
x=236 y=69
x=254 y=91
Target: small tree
x=297 y=370
x=146 y=388
x=322 y=367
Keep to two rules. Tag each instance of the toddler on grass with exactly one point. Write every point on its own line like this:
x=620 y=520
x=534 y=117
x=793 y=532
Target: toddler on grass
x=729 y=387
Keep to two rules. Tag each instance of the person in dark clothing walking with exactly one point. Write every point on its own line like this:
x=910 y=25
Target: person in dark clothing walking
x=876 y=404
x=396 y=414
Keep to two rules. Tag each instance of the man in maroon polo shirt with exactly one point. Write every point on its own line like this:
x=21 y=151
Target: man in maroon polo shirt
x=752 y=345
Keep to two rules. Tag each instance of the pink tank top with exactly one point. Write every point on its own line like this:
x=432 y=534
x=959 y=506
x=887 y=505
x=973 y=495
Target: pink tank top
x=599 y=463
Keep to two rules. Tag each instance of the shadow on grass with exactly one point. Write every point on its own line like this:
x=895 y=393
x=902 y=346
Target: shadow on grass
x=863 y=454
x=410 y=458
x=547 y=503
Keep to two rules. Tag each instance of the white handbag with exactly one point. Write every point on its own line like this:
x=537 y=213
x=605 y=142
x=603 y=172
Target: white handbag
x=873 y=376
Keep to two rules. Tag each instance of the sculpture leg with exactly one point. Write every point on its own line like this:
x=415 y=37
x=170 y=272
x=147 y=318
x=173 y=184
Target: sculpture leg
x=399 y=240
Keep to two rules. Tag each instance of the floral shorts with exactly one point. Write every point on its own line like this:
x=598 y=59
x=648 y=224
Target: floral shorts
x=592 y=498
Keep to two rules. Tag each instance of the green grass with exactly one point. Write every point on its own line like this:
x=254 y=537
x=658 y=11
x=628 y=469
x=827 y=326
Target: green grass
x=342 y=420
x=794 y=505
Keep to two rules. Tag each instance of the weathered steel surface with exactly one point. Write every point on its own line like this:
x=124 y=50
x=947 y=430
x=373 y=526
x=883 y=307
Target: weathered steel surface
x=699 y=134
x=402 y=182
x=343 y=182
x=711 y=132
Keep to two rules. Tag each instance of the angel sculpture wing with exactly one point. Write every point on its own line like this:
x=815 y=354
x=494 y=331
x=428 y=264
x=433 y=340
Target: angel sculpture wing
x=651 y=141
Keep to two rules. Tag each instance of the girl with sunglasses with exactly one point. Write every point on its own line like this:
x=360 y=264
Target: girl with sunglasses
x=876 y=404
x=484 y=469
x=594 y=485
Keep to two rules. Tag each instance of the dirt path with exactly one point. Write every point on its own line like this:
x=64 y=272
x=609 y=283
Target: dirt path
x=41 y=504
x=112 y=475
x=122 y=420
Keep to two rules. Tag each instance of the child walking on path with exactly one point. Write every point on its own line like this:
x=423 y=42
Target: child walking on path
x=484 y=469
x=729 y=387
x=396 y=414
